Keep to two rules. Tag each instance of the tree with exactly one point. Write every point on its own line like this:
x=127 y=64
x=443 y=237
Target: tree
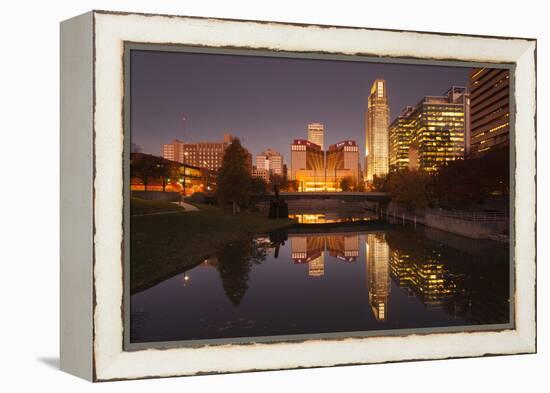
x=258 y=186
x=144 y=167
x=235 y=261
x=411 y=188
x=467 y=183
x=167 y=172
x=360 y=186
x=234 y=178
x=290 y=185
x=346 y=184
x=379 y=183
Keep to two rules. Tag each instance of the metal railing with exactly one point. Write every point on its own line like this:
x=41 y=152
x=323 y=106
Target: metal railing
x=470 y=215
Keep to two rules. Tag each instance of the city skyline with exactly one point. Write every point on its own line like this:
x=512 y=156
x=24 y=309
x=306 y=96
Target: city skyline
x=276 y=96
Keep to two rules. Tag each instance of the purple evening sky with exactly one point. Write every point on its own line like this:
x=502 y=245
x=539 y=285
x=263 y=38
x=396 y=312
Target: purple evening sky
x=266 y=102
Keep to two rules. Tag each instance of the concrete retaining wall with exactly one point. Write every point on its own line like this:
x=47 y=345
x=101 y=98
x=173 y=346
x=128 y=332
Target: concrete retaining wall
x=474 y=229
x=468 y=228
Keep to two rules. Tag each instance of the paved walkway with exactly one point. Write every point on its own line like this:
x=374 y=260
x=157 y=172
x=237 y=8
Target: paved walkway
x=187 y=206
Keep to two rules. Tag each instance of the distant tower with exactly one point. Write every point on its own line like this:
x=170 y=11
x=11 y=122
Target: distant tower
x=376 y=133
x=316 y=134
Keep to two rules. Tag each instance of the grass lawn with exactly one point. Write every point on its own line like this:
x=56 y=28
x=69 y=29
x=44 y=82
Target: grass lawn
x=144 y=206
x=163 y=245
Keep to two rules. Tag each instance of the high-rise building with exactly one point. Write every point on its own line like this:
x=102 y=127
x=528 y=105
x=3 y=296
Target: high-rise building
x=377 y=123
x=490 y=108
x=207 y=155
x=433 y=132
x=307 y=165
x=378 y=274
x=342 y=162
x=271 y=161
x=400 y=136
x=440 y=126
x=313 y=170
x=316 y=134
x=260 y=173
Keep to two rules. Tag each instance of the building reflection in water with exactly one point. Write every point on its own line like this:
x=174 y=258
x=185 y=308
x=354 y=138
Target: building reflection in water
x=311 y=249
x=428 y=277
x=435 y=274
x=378 y=274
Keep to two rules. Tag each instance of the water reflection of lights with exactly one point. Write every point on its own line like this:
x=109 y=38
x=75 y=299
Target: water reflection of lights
x=323 y=218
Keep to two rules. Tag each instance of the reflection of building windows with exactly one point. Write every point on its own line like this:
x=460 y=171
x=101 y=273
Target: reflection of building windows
x=378 y=274
x=316 y=267
x=311 y=249
x=428 y=278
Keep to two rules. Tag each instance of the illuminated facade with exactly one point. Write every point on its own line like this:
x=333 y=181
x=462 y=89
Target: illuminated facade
x=439 y=127
x=377 y=123
x=307 y=165
x=207 y=155
x=490 y=108
x=271 y=161
x=316 y=134
x=313 y=170
x=342 y=162
x=182 y=177
x=400 y=132
x=378 y=274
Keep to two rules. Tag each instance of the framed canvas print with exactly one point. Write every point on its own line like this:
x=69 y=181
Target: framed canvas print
x=246 y=195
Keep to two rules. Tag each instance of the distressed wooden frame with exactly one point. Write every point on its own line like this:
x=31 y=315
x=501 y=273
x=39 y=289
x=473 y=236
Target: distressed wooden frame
x=92 y=178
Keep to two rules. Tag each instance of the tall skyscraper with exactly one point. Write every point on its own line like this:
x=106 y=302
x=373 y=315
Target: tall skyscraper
x=377 y=123
x=431 y=133
x=400 y=136
x=440 y=126
x=490 y=108
x=316 y=134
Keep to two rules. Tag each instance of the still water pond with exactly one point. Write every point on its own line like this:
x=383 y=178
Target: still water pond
x=303 y=283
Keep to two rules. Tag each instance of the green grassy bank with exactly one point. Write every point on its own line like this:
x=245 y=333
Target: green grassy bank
x=163 y=245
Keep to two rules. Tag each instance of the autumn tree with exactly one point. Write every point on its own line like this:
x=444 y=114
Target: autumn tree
x=234 y=178
x=411 y=188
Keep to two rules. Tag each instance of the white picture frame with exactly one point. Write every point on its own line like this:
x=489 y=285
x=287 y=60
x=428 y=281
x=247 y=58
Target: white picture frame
x=92 y=195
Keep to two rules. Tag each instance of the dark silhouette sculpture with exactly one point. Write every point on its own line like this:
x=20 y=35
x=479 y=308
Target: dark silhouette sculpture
x=278 y=208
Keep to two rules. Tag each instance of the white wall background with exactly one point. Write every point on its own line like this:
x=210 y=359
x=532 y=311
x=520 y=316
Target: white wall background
x=29 y=96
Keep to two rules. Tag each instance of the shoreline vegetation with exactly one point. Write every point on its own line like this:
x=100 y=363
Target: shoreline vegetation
x=164 y=245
